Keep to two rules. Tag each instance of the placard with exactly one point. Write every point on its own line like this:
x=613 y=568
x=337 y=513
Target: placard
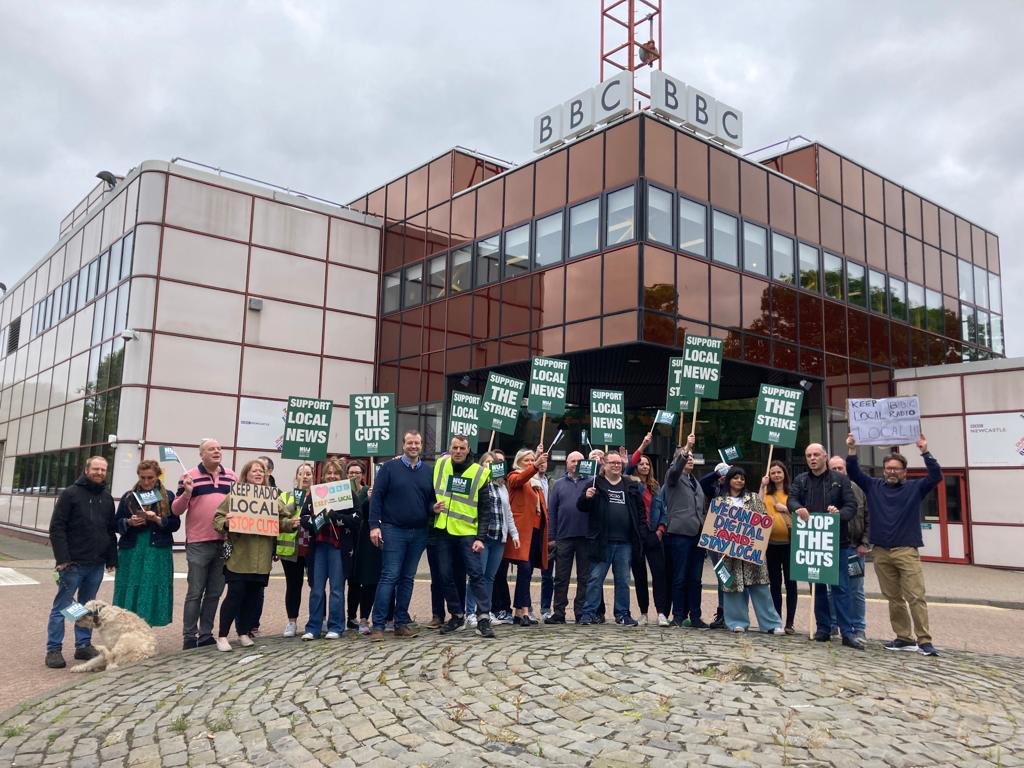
x=586 y=468
x=457 y=484
x=549 y=380
x=168 y=454
x=333 y=495
x=463 y=417
x=995 y=439
x=499 y=406
x=371 y=423
x=778 y=416
x=497 y=470
x=307 y=428
x=730 y=454
x=253 y=509
x=702 y=366
x=675 y=400
x=885 y=421
x=664 y=417
x=608 y=416
x=147 y=498
x=814 y=549
x=730 y=529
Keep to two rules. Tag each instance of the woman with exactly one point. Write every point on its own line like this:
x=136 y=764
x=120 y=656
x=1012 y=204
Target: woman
x=650 y=552
x=749 y=581
x=249 y=559
x=530 y=513
x=328 y=530
x=501 y=527
x=774 y=492
x=287 y=552
x=362 y=585
x=145 y=570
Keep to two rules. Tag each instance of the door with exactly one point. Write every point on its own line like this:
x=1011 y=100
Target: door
x=944 y=520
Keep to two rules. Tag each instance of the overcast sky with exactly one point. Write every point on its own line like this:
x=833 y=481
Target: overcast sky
x=333 y=98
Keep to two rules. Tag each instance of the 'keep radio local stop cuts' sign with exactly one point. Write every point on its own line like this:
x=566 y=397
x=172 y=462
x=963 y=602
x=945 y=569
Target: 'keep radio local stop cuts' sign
x=253 y=509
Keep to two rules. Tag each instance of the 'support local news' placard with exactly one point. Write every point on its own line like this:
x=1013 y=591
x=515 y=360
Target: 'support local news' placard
x=814 y=549
x=463 y=416
x=778 y=416
x=371 y=420
x=608 y=416
x=702 y=366
x=549 y=379
x=499 y=408
x=307 y=428
x=734 y=531
x=885 y=421
x=253 y=509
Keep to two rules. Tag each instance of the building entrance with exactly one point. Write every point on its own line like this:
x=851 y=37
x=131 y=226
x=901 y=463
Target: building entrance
x=944 y=523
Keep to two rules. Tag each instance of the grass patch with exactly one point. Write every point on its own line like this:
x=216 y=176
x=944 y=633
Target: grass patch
x=179 y=724
x=11 y=731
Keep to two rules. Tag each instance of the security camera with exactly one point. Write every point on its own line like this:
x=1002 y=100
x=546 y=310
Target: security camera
x=129 y=335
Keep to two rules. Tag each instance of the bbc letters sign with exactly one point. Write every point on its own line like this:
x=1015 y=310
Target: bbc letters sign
x=695 y=109
x=593 y=107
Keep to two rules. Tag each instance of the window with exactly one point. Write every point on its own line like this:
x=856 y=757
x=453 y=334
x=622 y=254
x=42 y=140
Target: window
x=915 y=306
x=97 y=321
x=121 y=315
x=936 y=315
x=967 y=332
x=488 y=264
x=73 y=294
x=114 y=273
x=966 y=274
x=833 y=276
x=583 y=228
x=659 y=216
x=995 y=298
x=619 y=226
x=65 y=293
x=810 y=276
x=855 y=284
x=437 y=272
x=83 y=287
x=91 y=280
x=692 y=227
x=983 y=338
x=897 y=299
x=392 y=298
x=126 y=254
x=516 y=255
x=462 y=270
x=101 y=275
x=997 y=335
x=412 y=289
x=755 y=249
x=548 y=242
x=782 y=258
x=724 y=245
x=13 y=335
x=980 y=287
x=876 y=291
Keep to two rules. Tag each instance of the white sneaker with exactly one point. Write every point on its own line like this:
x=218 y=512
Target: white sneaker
x=223 y=644
x=663 y=620
x=389 y=627
x=495 y=621
x=245 y=641
x=643 y=620
x=332 y=635
x=739 y=629
x=309 y=636
x=471 y=621
x=289 y=629
x=778 y=631
x=547 y=614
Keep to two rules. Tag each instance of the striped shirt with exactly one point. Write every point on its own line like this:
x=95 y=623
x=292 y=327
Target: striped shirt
x=208 y=491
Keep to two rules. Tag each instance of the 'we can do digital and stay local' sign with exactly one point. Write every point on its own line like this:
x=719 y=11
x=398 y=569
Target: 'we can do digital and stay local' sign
x=670 y=98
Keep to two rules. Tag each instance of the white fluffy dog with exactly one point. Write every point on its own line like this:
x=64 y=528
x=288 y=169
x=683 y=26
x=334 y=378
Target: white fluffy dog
x=123 y=638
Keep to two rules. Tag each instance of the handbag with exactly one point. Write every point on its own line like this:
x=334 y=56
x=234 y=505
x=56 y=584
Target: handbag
x=226 y=549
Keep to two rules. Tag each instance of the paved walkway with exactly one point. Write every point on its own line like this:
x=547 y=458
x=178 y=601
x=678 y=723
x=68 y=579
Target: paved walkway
x=602 y=696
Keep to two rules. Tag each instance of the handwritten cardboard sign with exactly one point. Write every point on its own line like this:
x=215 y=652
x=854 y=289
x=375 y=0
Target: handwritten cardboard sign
x=732 y=530
x=253 y=509
x=885 y=421
x=335 y=495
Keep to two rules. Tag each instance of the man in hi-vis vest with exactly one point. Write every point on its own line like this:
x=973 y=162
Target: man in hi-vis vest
x=462 y=486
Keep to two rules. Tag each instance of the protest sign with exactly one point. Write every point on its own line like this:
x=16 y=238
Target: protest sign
x=333 y=495
x=886 y=421
x=549 y=380
x=463 y=416
x=147 y=498
x=702 y=367
x=75 y=611
x=734 y=531
x=608 y=416
x=371 y=423
x=664 y=417
x=586 y=468
x=778 y=416
x=169 y=454
x=307 y=426
x=499 y=407
x=814 y=550
x=730 y=454
x=675 y=400
x=497 y=470
x=253 y=509
x=457 y=484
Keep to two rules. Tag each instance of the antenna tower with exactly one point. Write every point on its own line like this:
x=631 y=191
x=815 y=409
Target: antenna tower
x=631 y=41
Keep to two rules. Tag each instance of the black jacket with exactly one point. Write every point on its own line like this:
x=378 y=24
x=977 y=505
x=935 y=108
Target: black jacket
x=161 y=534
x=597 y=509
x=367 y=563
x=835 y=490
x=82 y=527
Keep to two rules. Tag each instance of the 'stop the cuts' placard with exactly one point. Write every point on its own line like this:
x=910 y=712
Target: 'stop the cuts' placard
x=549 y=380
x=371 y=420
x=778 y=416
x=702 y=366
x=499 y=408
x=886 y=421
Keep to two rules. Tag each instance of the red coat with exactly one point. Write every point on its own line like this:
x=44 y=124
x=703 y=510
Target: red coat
x=524 y=498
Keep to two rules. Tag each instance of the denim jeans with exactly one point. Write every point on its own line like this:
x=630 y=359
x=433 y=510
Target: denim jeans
x=84 y=580
x=327 y=566
x=620 y=555
x=490 y=559
x=737 y=615
x=453 y=551
x=205 y=585
x=688 y=567
x=400 y=557
x=840 y=594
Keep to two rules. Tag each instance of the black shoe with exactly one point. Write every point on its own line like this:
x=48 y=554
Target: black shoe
x=855 y=642
x=625 y=620
x=699 y=624
x=86 y=652
x=835 y=631
x=55 y=659
x=927 y=649
x=586 y=620
x=600 y=619
x=823 y=637
x=718 y=623
x=555 y=618
x=483 y=627
x=453 y=624
x=206 y=642
x=901 y=645
x=189 y=644
x=352 y=624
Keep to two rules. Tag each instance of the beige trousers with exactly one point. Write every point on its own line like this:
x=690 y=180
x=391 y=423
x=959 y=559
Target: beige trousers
x=902 y=582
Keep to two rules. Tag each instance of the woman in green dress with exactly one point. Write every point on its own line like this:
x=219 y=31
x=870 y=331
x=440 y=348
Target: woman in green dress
x=145 y=571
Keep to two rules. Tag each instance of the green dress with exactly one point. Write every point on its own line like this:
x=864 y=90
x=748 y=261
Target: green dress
x=144 y=583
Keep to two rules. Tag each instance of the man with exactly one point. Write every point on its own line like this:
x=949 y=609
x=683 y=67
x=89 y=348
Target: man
x=83 y=541
x=684 y=513
x=820 y=490
x=859 y=540
x=401 y=507
x=200 y=492
x=567 y=527
x=616 y=508
x=895 y=505
x=460 y=531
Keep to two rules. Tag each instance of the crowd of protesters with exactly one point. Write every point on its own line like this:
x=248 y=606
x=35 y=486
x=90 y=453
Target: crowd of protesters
x=476 y=518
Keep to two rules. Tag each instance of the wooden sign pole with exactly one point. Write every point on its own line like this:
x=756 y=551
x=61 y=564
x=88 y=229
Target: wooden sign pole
x=543 y=424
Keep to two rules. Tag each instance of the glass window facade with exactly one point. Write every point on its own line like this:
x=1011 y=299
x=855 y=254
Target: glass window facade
x=584 y=228
x=755 y=249
x=516 y=253
x=462 y=270
x=966 y=275
x=412 y=286
x=783 y=266
x=693 y=227
x=437 y=274
x=620 y=217
x=856 y=290
x=548 y=242
x=725 y=246
x=810 y=271
x=876 y=291
x=897 y=298
x=833 y=267
x=915 y=305
x=659 y=215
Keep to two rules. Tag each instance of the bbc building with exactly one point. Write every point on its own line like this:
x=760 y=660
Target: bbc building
x=183 y=304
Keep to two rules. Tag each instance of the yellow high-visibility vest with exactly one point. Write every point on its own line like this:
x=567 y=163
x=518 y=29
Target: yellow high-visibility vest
x=286 y=541
x=459 y=517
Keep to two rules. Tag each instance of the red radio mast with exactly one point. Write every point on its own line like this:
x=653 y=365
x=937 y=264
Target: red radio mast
x=630 y=40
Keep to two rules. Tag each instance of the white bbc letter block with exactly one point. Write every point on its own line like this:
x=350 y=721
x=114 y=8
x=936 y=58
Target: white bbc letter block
x=613 y=97
x=547 y=129
x=578 y=114
x=668 y=96
x=701 y=111
x=730 y=126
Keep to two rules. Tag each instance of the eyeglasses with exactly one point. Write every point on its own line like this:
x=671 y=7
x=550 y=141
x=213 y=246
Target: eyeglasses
x=894 y=470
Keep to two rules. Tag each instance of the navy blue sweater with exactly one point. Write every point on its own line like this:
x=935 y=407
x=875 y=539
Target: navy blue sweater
x=402 y=496
x=565 y=521
x=895 y=509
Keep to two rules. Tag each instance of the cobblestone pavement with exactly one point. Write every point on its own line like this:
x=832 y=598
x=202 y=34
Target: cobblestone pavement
x=601 y=696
